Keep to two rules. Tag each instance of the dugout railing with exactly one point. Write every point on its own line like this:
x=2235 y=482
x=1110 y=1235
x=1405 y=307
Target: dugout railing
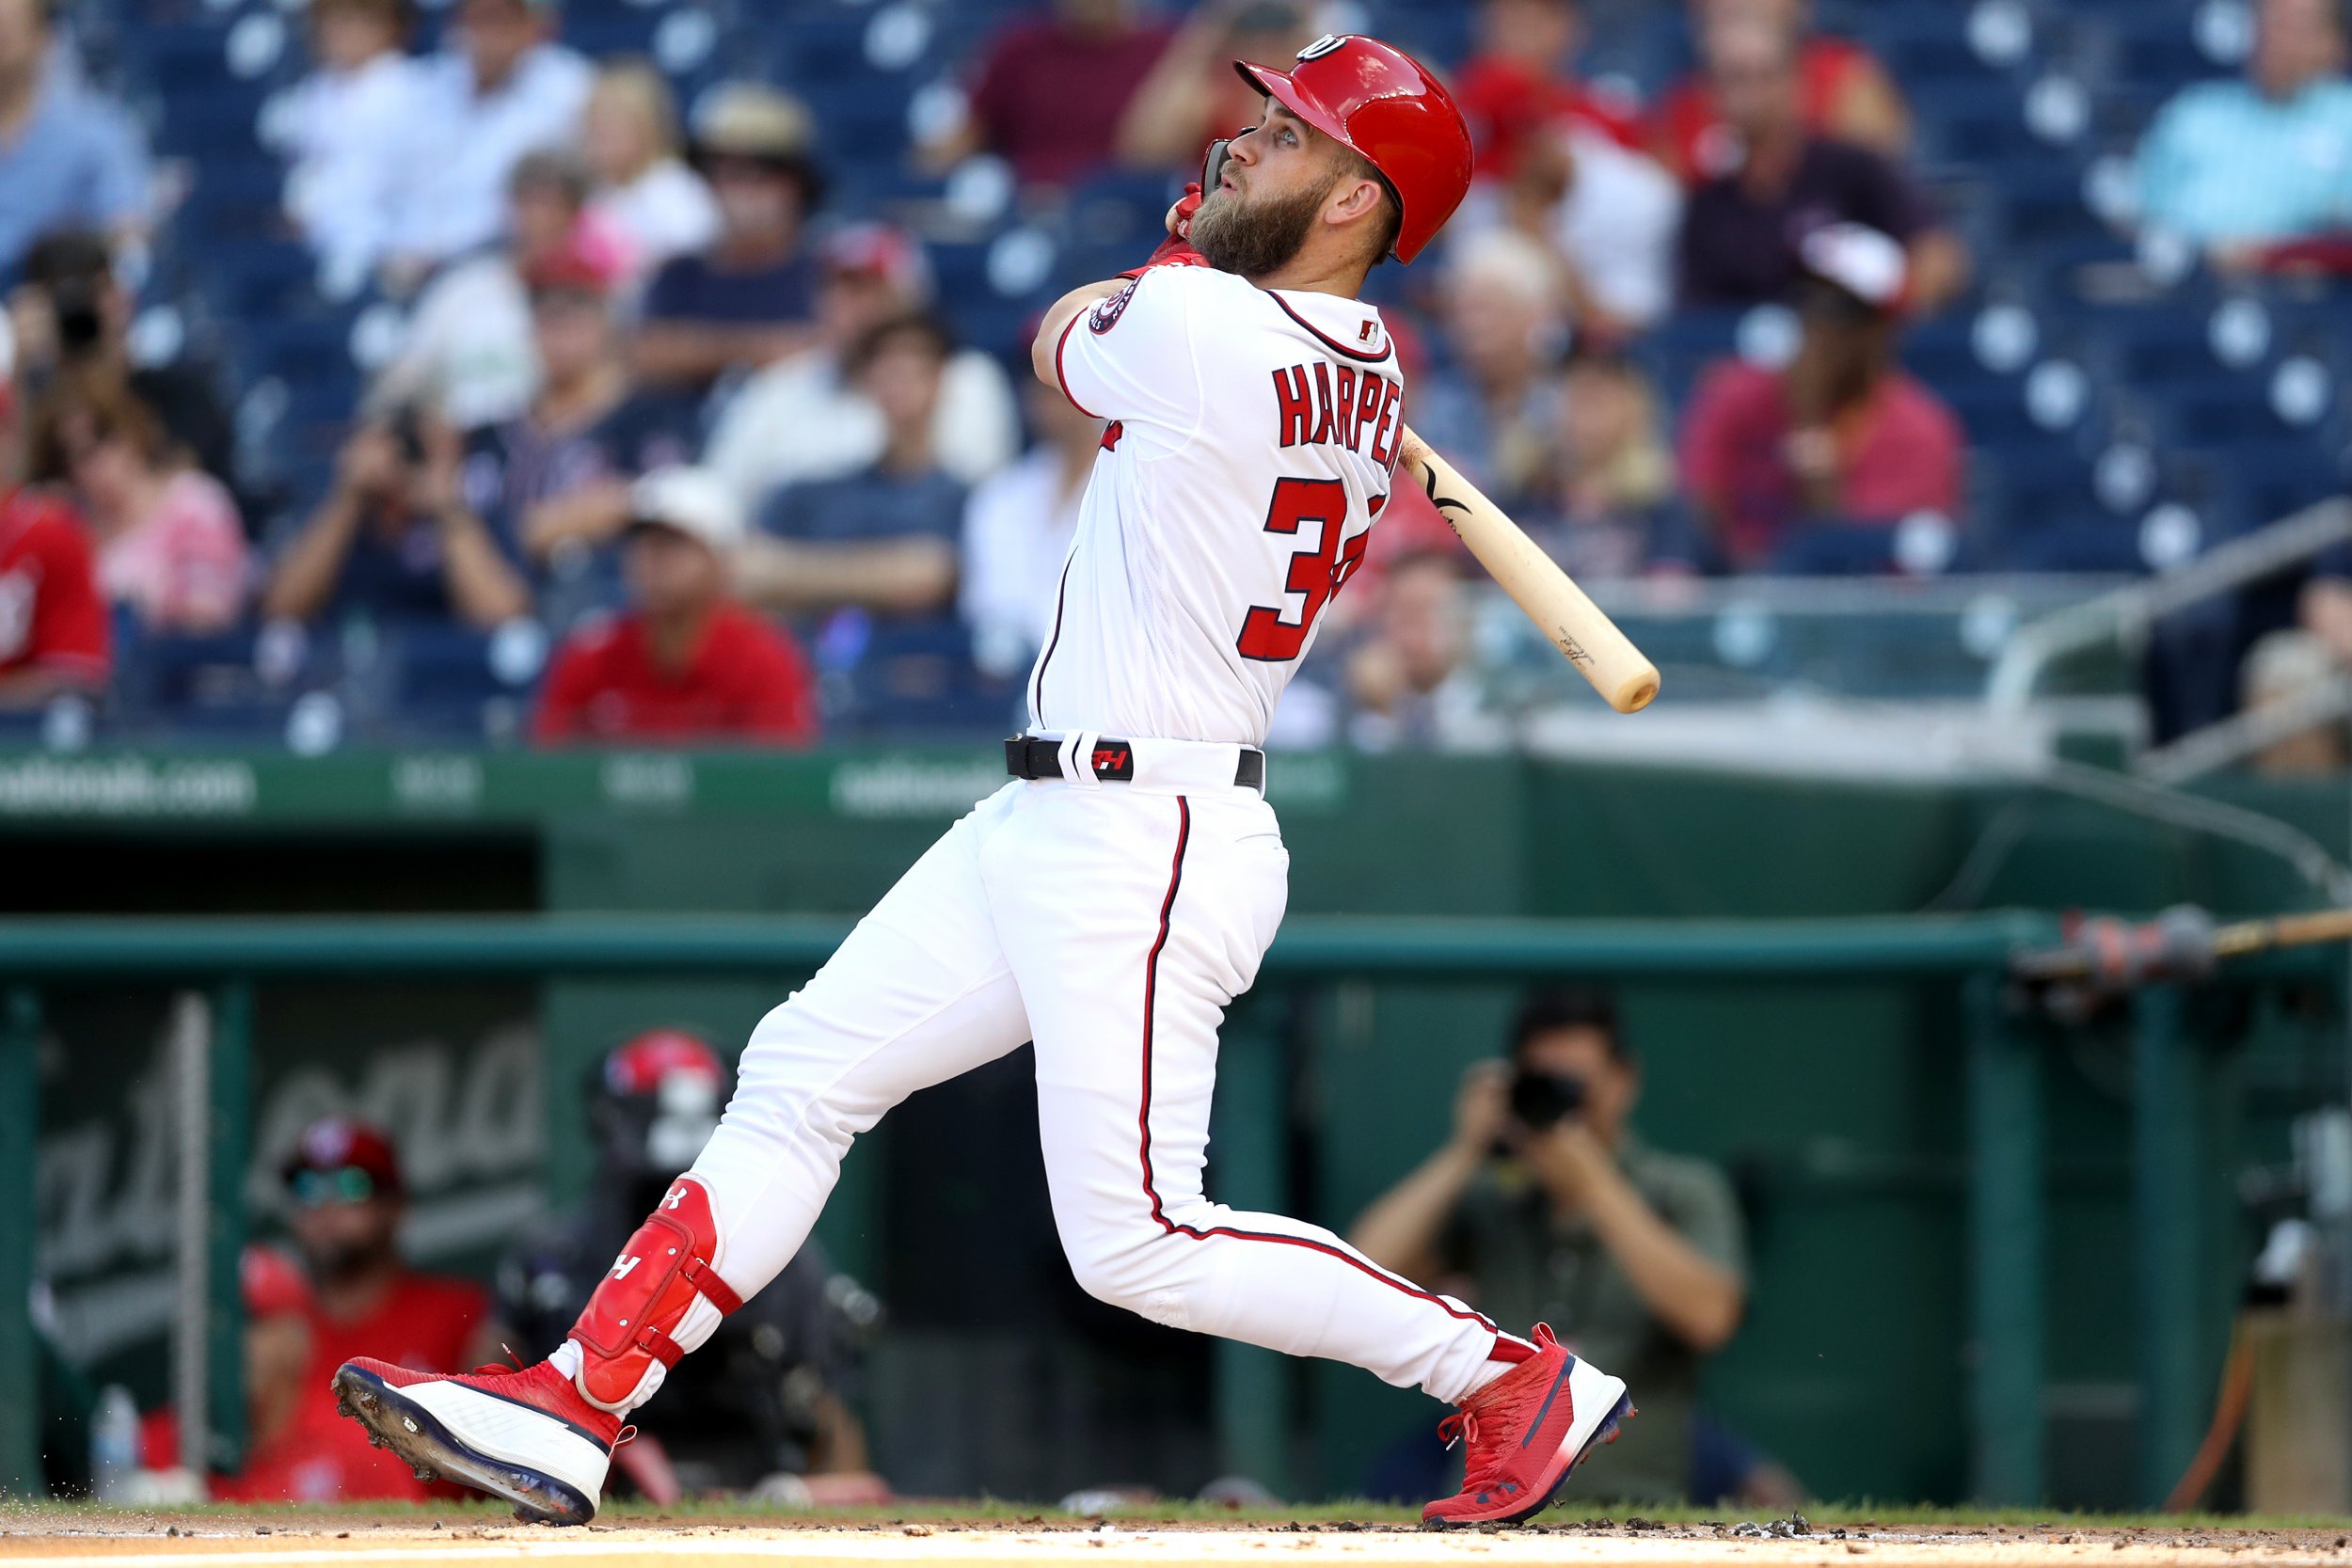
x=221 y=961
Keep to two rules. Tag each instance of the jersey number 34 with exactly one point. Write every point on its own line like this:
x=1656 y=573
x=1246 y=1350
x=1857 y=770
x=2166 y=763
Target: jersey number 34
x=1317 y=573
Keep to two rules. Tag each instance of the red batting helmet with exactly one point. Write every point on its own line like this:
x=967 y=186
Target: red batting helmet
x=1381 y=101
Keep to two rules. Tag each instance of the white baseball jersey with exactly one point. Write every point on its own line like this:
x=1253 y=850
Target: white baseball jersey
x=1253 y=438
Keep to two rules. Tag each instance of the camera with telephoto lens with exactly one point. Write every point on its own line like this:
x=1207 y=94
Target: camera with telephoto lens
x=1540 y=1100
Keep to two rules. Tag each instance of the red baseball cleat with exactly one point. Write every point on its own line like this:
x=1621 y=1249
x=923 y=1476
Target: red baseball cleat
x=522 y=1434
x=1526 y=1431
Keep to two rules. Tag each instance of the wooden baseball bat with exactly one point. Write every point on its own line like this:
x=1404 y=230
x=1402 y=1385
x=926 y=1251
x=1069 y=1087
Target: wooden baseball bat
x=1602 y=653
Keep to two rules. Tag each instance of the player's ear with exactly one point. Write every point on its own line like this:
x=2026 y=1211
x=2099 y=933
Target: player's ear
x=1351 y=199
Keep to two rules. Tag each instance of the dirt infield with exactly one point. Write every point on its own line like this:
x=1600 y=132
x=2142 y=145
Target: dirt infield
x=53 y=1537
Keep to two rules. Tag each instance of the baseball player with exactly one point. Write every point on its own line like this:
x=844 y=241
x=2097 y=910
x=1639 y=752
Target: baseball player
x=1112 y=900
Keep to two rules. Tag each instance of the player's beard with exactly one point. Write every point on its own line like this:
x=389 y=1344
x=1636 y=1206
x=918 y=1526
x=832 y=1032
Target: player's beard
x=1252 y=238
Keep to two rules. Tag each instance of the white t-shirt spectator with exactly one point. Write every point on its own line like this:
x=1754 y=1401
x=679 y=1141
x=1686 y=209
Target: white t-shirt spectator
x=1617 y=226
x=665 y=211
x=462 y=146
x=798 y=421
x=1017 y=529
x=468 y=350
x=349 y=132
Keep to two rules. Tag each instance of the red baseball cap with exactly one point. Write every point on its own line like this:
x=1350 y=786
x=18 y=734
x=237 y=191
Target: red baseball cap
x=343 y=1142
x=580 y=266
x=639 y=1067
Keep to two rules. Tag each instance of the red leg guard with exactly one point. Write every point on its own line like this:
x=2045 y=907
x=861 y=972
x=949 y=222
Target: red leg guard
x=627 y=1324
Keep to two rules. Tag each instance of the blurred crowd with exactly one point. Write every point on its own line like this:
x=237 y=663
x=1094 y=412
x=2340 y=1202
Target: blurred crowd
x=669 y=440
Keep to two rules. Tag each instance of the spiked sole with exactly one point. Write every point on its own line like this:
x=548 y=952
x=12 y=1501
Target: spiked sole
x=1602 y=1435
x=400 y=1424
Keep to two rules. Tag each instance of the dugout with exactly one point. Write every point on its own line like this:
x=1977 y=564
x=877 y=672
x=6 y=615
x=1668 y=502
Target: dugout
x=1838 y=1105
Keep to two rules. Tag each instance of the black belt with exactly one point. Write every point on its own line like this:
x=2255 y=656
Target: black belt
x=1027 y=757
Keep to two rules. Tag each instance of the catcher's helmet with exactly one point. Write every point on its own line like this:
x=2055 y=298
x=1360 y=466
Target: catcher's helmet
x=654 y=1100
x=1381 y=101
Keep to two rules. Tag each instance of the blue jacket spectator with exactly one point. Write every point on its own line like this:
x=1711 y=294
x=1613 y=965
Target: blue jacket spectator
x=394 y=541
x=883 y=539
x=748 y=299
x=2263 y=159
x=69 y=156
x=506 y=90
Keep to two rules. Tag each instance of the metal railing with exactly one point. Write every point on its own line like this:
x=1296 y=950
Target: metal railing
x=2124 y=616
x=225 y=957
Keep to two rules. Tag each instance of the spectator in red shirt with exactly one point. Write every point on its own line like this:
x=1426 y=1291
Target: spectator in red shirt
x=1050 y=92
x=1517 y=83
x=1844 y=93
x=685 y=661
x=347 y=1204
x=53 y=635
x=1841 y=437
x=297 y=1451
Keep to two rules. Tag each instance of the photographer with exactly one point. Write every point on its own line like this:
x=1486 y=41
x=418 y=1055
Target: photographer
x=72 y=315
x=395 y=540
x=1554 y=1211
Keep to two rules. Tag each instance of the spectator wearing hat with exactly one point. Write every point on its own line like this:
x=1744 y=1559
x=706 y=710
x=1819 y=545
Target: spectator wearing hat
x=2265 y=159
x=763 y=1406
x=349 y=125
x=745 y=300
x=1840 y=436
x=1050 y=91
x=505 y=89
x=883 y=539
x=685 y=661
x=346 y=1204
x=1844 y=93
x=1743 y=227
x=804 y=418
x=394 y=541
x=647 y=200
x=558 y=477
x=69 y=157
x=54 y=633
x=466 y=350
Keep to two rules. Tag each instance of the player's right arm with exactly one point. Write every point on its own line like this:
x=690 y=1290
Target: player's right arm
x=1058 y=319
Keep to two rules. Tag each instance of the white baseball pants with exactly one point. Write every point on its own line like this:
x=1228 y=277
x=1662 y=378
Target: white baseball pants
x=1111 y=923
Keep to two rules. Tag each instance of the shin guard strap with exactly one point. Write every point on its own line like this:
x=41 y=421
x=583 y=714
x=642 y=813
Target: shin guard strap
x=715 y=1290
